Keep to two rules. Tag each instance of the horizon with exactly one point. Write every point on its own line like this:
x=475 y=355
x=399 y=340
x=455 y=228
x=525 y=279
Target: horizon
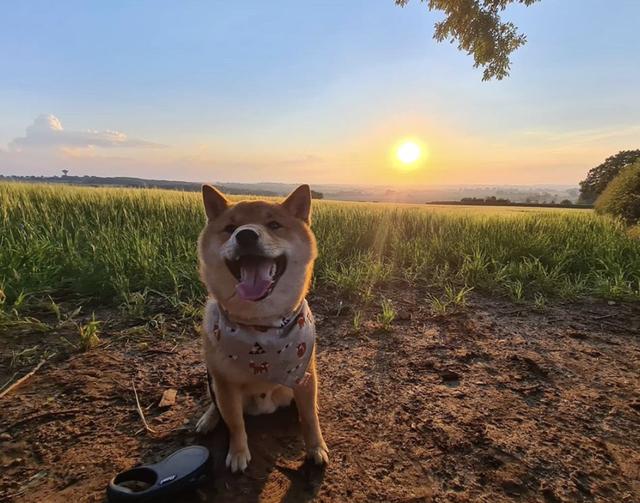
x=320 y=94
x=294 y=183
x=433 y=194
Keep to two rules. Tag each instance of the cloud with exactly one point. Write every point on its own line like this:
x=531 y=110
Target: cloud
x=47 y=132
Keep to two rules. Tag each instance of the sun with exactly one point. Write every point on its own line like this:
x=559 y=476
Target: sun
x=408 y=155
x=408 y=152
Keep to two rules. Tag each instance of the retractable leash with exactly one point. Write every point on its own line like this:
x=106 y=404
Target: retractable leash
x=184 y=469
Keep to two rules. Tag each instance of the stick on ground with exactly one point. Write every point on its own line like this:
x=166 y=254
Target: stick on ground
x=144 y=421
x=22 y=379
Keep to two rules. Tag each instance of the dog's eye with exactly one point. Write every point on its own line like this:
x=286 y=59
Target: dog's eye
x=273 y=225
x=230 y=228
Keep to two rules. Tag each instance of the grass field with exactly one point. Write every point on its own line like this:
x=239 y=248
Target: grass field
x=123 y=248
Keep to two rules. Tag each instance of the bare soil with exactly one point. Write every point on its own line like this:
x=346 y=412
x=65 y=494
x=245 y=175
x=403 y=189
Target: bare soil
x=496 y=403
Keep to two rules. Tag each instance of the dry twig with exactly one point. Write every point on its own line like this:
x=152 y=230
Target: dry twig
x=22 y=379
x=144 y=421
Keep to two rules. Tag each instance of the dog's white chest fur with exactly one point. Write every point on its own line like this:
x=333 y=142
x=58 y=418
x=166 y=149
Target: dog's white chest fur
x=276 y=355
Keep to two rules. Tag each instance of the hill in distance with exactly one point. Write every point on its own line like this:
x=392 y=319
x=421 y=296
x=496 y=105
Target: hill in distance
x=514 y=193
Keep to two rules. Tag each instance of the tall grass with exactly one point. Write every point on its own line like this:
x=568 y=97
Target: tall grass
x=117 y=247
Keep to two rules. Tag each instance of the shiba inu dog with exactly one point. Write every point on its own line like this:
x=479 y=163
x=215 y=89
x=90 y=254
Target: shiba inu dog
x=256 y=259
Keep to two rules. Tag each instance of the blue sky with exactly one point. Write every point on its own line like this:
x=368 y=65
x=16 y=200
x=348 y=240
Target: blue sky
x=311 y=91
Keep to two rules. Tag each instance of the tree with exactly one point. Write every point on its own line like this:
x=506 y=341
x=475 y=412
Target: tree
x=479 y=30
x=621 y=198
x=600 y=176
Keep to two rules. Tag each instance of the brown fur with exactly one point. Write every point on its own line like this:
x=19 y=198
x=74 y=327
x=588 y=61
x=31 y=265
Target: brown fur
x=296 y=241
x=220 y=282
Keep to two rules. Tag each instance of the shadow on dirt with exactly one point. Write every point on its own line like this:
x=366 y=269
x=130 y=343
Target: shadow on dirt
x=275 y=442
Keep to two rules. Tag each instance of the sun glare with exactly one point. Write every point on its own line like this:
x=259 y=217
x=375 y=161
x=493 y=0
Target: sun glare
x=408 y=152
x=408 y=155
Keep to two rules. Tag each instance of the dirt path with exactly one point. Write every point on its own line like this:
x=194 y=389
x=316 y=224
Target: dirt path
x=494 y=404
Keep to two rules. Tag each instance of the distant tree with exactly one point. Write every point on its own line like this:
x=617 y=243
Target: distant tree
x=491 y=200
x=566 y=202
x=479 y=30
x=600 y=176
x=621 y=198
x=316 y=195
x=65 y=172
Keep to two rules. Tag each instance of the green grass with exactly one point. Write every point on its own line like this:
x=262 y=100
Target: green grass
x=387 y=314
x=127 y=248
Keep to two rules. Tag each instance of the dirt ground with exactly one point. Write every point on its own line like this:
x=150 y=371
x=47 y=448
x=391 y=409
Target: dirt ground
x=497 y=403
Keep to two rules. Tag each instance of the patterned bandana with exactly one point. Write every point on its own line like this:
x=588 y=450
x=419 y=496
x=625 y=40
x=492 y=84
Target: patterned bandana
x=279 y=355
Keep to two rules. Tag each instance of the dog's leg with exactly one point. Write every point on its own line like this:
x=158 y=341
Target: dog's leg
x=209 y=420
x=229 y=398
x=306 y=400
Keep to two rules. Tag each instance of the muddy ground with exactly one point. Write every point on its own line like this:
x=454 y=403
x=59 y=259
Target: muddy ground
x=496 y=403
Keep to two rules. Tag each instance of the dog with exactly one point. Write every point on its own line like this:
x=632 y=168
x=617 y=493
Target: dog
x=256 y=259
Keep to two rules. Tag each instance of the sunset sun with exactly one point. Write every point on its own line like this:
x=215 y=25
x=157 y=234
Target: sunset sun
x=408 y=155
x=408 y=152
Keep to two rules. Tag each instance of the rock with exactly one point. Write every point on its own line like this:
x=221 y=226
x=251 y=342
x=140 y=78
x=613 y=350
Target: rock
x=168 y=398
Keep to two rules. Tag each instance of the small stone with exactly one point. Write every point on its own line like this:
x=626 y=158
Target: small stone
x=168 y=398
x=5 y=436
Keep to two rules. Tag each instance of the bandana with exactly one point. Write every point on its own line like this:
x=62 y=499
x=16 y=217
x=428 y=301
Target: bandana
x=279 y=355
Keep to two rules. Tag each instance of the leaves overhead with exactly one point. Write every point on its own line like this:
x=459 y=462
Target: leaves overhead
x=479 y=30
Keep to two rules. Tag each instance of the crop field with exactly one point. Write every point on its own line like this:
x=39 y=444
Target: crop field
x=462 y=352
x=122 y=248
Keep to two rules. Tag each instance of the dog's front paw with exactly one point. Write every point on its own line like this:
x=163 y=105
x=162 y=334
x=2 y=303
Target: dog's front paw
x=319 y=454
x=208 y=421
x=238 y=460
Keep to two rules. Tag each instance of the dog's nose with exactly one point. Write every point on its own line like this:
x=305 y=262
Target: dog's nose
x=247 y=237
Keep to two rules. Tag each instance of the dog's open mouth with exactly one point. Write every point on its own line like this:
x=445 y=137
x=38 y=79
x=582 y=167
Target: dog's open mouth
x=257 y=275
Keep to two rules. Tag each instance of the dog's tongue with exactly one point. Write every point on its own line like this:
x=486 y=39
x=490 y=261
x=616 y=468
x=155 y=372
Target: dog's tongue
x=256 y=276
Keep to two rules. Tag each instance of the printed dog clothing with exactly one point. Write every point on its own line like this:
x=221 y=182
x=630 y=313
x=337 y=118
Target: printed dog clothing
x=279 y=355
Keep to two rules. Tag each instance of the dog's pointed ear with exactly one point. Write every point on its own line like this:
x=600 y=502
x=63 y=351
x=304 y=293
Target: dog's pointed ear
x=214 y=201
x=298 y=203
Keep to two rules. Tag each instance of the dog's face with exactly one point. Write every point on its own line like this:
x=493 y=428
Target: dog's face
x=256 y=257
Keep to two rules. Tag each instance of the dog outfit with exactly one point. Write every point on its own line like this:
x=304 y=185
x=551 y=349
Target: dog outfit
x=279 y=355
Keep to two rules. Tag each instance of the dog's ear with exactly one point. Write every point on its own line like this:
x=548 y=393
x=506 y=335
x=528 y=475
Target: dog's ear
x=214 y=201
x=298 y=203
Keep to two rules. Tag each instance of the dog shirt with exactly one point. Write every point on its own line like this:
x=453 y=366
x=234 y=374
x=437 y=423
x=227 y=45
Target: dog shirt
x=279 y=355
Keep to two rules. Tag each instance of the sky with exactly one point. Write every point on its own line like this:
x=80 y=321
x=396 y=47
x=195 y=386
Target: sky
x=315 y=91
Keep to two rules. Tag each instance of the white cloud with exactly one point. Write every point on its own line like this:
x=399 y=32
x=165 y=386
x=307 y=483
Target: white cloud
x=47 y=132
